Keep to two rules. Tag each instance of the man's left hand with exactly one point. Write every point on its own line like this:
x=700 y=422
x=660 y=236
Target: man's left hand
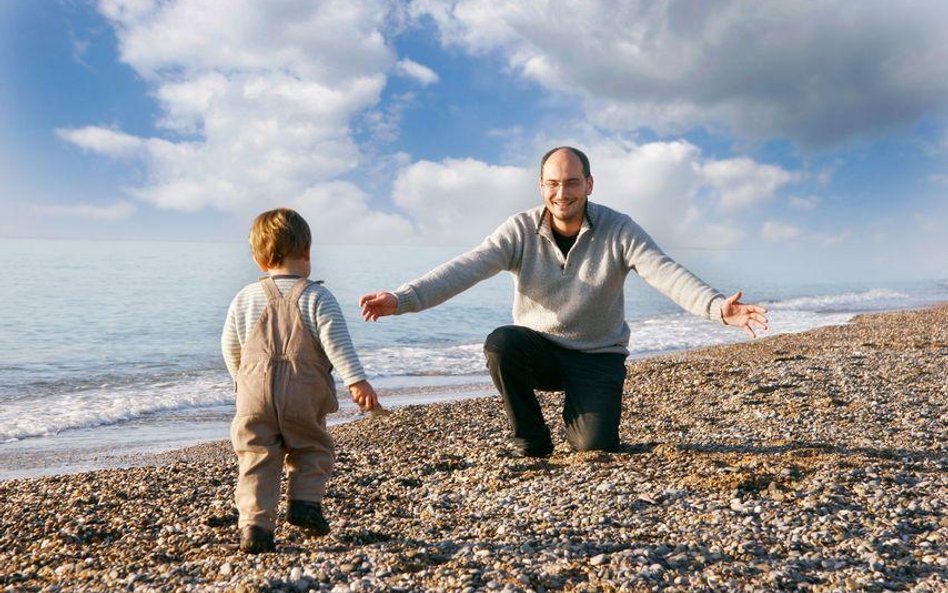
x=746 y=317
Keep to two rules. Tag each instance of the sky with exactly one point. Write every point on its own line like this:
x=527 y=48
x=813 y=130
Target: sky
x=797 y=139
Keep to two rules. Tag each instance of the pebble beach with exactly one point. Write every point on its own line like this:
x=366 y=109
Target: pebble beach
x=815 y=462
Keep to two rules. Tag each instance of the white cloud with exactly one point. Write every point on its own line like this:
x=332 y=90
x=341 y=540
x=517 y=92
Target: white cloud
x=384 y=123
x=260 y=103
x=339 y=212
x=778 y=231
x=332 y=41
x=512 y=133
x=412 y=69
x=460 y=201
x=804 y=203
x=713 y=235
x=103 y=140
x=265 y=95
x=681 y=197
x=831 y=240
x=817 y=73
x=79 y=48
x=662 y=185
x=926 y=223
x=188 y=101
x=742 y=182
x=101 y=212
x=658 y=184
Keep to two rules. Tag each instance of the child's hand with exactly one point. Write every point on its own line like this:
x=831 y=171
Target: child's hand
x=364 y=396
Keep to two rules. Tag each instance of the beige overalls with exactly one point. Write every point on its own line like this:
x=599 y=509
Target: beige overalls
x=284 y=391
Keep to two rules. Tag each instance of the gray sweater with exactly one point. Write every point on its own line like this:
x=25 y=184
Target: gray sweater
x=575 y=301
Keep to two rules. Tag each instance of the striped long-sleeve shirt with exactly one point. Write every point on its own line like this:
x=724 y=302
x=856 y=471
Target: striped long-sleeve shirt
x=320 y=314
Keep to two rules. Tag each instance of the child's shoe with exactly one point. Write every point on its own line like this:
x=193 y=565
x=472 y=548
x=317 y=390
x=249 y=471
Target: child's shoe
x=309 y=516
x=254 y=540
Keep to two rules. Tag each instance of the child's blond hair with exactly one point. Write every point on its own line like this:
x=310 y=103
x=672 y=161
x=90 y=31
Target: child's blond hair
x=279 y=234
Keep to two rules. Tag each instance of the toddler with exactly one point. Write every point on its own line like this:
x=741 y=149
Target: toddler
x=282 y=338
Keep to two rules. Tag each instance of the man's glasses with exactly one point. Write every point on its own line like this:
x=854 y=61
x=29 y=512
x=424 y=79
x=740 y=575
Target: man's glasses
x=553 y=185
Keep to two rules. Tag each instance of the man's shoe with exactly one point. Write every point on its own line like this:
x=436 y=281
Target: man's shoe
x=254 y=540
x=544 y=451
x=309 y=516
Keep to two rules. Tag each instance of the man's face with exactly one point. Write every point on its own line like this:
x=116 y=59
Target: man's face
x=564 y=188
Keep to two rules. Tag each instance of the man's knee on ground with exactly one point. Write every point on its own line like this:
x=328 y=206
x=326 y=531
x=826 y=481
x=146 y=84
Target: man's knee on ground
x=501 y=340
x=593 y=442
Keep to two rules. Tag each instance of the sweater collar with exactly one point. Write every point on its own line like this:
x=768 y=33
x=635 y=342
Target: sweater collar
x=589 y=217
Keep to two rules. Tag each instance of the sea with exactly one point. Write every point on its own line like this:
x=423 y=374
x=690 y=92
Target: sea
x=110 y=350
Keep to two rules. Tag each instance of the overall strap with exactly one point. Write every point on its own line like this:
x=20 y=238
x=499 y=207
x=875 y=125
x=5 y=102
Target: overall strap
x=296 y=292
x=271 y=290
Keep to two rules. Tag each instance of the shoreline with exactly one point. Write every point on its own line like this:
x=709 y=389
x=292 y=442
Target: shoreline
x=812 y=461
x=79 y=450
x=134 y=441
x=140 y=441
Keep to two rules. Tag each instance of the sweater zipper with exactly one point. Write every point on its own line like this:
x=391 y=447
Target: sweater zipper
x=564 y=259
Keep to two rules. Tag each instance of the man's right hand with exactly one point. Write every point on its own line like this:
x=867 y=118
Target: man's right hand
x=378 y=304
x=364 y=396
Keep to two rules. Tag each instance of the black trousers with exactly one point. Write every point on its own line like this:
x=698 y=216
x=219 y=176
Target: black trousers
x=521 y=360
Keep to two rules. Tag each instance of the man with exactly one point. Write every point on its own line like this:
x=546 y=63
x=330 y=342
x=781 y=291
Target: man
x=570 y=258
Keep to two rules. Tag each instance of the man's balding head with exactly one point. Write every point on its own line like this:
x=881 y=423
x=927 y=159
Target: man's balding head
x=583 y=159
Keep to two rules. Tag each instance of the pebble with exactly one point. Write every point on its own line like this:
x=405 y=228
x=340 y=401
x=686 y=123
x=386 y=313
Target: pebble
x=780 y=464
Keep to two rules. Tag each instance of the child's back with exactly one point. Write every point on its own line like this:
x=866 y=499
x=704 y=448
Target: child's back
x=281 y=339
x=319 y=311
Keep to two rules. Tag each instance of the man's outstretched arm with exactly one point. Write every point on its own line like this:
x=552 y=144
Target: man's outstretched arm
x=496 y=253
x=687 y=290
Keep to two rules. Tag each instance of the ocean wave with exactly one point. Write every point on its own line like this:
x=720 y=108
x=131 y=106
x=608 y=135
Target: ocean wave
x=659 y=334
x=111 y=376
x=874 y=298
x=45 y=407
x=52 y=413
x=462 y=359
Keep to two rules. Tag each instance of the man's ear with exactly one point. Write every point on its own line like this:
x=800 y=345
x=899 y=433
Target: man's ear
x=589 y=185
